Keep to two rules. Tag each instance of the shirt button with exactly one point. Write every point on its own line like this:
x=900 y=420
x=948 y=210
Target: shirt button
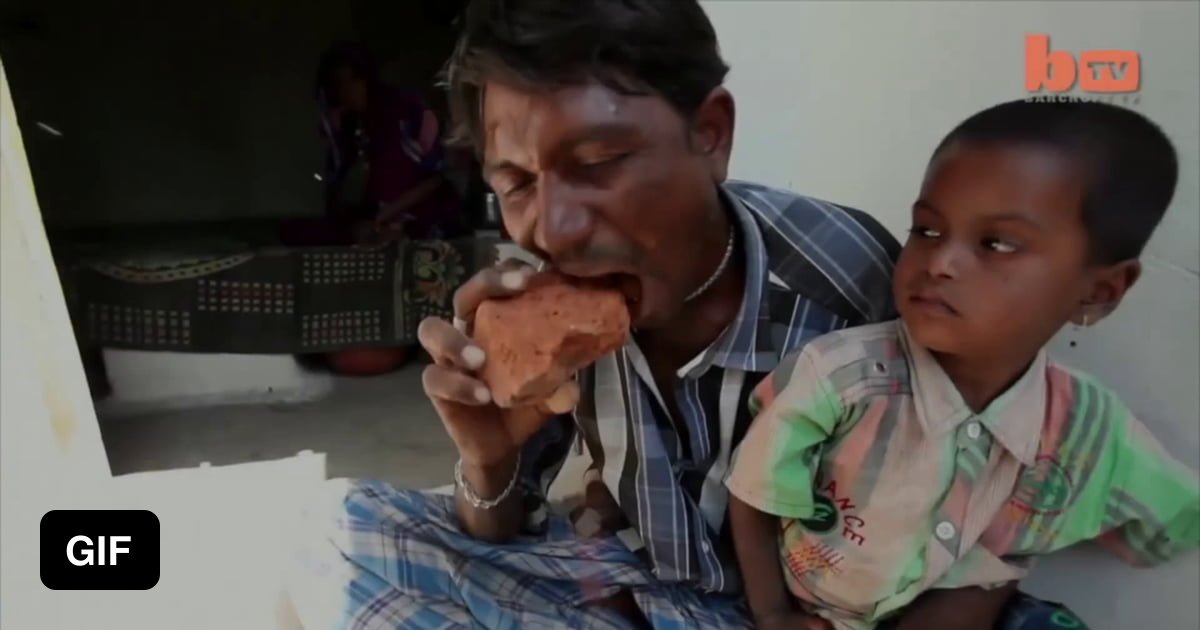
x=973 y=430
x=704 y=546
x=944 y=530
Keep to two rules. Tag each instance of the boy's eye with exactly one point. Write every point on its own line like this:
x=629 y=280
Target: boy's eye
x=999 y=246
x=924 y=232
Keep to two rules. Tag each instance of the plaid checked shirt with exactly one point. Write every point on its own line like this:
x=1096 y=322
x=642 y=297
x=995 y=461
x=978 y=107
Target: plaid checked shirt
x=812 y=267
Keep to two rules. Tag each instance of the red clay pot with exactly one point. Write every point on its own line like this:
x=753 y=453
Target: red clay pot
x=367 y=361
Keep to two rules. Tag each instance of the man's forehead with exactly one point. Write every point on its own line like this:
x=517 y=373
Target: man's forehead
x=503 y=102
x=512 y=115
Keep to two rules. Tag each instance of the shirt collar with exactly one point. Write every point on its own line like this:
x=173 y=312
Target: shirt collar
x=738 y=346
x=1014 y=418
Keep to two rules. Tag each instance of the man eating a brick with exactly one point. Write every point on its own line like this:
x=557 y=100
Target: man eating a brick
x=605 y=132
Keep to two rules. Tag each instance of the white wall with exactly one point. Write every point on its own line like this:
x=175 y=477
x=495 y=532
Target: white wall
x=220 y=527
x=145 y=382
x=50 y=447
x=846 y=100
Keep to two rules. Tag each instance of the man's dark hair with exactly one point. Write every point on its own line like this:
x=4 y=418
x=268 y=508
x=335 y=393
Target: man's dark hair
x=644 y=47
x=1130 y=164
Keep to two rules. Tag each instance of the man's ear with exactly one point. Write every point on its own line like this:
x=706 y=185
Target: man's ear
x=712 y=131
x=1109 y=286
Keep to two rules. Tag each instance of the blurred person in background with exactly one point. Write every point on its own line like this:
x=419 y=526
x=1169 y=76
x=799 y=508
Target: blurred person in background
x=384 y=163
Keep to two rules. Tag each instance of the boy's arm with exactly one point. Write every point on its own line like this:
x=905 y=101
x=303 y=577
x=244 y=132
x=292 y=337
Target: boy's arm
x=1125 y=491
x=966 y=608
x=755 y=538
x=1152 y=513
x=772 y=478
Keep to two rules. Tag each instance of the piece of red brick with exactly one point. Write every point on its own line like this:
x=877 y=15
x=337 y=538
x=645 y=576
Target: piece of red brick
x=535 y=341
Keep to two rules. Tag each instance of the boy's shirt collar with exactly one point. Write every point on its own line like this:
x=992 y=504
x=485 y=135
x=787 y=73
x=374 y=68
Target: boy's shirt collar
x=1014 y=418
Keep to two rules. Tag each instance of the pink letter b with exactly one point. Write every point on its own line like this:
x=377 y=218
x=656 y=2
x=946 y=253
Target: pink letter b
x=1054 y=71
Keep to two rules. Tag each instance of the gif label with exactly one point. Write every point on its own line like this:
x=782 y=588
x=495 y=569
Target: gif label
x=99 y=550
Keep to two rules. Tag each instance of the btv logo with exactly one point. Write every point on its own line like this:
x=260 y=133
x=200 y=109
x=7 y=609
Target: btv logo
x=1106 y=71
x=99 y=550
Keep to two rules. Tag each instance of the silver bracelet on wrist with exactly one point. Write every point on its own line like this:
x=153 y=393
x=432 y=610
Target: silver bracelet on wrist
x=473 y=499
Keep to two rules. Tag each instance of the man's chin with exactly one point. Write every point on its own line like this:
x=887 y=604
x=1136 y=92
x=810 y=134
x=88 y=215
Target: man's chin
x=648 y=315
x=649 y=311
x=642 y=321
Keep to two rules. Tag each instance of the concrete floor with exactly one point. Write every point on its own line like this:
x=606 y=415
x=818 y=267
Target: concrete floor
x=381 y=427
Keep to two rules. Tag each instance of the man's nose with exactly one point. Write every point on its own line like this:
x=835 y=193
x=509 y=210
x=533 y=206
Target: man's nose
x=564 y=222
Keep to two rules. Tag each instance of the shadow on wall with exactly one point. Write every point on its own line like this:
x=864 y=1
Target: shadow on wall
x=178 y=113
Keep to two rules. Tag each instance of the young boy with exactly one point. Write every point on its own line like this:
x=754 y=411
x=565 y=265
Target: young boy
x=945 y=450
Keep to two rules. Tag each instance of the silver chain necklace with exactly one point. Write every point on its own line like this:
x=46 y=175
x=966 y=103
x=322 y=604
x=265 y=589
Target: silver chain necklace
x=716 y=274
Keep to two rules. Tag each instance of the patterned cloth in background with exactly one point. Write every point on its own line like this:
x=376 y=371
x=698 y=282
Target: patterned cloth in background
x=889 y=485
x=182 y=293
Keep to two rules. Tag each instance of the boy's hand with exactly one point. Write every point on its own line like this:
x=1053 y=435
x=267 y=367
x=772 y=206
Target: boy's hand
x=964 y=608
x=755 y=538
x=794 y=620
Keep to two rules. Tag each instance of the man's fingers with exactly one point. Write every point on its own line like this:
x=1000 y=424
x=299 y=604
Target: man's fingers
x=504 y=280
x=448 y=346
x=443 y=383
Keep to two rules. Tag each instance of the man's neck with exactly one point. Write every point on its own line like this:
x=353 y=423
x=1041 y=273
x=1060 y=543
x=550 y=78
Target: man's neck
x=703 y=319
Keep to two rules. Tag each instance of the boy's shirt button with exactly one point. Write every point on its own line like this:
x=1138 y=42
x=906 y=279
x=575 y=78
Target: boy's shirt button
x=944 y=530
x=974 y=430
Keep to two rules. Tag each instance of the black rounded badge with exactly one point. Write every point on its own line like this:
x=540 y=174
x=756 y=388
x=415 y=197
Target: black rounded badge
x=99 y=550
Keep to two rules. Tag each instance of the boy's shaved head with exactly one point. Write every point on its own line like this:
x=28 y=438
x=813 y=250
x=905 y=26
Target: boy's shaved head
x=1129 y=166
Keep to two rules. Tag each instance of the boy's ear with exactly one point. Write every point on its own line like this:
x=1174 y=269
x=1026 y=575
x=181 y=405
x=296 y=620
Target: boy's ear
x=1109 y=286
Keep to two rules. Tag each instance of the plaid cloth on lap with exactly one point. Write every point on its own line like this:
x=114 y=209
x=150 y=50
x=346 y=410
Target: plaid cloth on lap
x=386 y=558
